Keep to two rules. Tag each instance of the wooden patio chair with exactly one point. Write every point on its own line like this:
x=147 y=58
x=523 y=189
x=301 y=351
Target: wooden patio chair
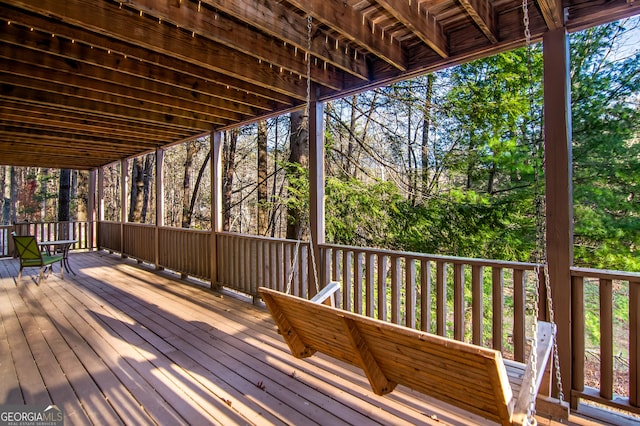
x=31 y=257
x=473 y=378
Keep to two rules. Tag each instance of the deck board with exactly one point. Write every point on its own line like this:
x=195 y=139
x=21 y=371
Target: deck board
x=122 y=344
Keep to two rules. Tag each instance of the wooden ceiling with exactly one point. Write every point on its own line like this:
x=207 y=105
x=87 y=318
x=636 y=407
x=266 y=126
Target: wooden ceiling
x=88 y=82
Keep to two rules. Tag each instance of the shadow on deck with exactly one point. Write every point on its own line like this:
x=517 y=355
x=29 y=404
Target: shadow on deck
x=121 y=344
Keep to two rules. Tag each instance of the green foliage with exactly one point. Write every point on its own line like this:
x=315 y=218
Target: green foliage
x=606 y=151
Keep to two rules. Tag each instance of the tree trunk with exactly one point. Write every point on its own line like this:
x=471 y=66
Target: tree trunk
x=149 y=162
x=192 y=150
x=263 y=188
x=351 y=142
x=137 y=186
x=13 y=194
x=299 y=162
x=64 y=201
x=196 y=187
x=82 y=194
x=426 y=125
x=230 y=142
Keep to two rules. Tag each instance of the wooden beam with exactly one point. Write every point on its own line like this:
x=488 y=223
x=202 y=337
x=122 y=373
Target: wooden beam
x=423 y=25
x=296 y=345
x=377 y=379
x=216 y=201
x=482 y=14
x=342 y=18
x=552 y=13
x=559 y=206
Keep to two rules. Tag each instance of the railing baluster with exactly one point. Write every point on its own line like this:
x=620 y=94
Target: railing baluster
x=441 y=298
x=396 y=299
x=458 y=301
x=382 y=287
x=477 y=305
x=497 y=283
x=519 y=298
x=357 y=283
x=634 y=343
x=425 y=295
x=410 y=289
x=370 y=275
x=606 y=338
x=577 y=336
x=347 y=293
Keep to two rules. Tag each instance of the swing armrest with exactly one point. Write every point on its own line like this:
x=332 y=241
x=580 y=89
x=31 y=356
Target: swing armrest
x=544 y=345
x=327 y=293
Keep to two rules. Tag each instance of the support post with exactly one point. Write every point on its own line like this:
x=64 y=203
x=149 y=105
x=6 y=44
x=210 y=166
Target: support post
x=91 y=210
x=100 y=212
x=559 y=205
x=216 y=201
x=159 y=204
x=316 y=191
x=124 y=183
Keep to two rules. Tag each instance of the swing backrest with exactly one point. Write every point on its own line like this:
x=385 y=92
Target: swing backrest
x=471 y=377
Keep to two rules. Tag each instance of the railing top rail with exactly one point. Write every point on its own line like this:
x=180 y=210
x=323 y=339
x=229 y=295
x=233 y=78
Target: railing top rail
x=173 y=228
x=145 y=225
x=261 y=238
x=606 y=274
x=436 y=257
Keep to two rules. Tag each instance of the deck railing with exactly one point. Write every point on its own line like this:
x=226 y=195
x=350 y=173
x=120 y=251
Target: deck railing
x=606 y=311
x=47 y=231
x=246 y=263
x=485 y=302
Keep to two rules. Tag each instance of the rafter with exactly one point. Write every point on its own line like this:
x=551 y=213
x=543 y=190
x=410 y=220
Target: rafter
x=171 y=41
x=481 y=11
x=423 y=25
x=147 y=64
x=350 y=24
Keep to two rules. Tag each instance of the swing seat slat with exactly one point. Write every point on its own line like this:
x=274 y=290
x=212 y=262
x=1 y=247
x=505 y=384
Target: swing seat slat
x=470 y=377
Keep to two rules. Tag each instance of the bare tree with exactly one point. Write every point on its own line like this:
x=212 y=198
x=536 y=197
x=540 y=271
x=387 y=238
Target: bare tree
x=298 y=164
x=263 y=188
x=229 y=148
x=137 y=191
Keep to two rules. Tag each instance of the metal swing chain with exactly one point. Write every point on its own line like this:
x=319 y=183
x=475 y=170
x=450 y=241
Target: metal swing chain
x=308 y=111
x=540 y=251
x=306 y=123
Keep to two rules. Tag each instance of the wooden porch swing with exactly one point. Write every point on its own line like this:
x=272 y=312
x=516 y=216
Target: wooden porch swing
x=470 y=377
x=473 y=378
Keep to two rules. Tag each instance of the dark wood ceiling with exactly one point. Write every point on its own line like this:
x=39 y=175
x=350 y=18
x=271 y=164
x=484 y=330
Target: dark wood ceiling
x=88 y=82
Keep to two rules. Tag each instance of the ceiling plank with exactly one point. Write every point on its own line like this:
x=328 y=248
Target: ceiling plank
x=171 y=41
x=271 y=18
x=86 y=103
x=63 y=78
x=342 y=18
x=202 y=22
x=420 y=22
x=144 y=63
x=61 y=90
x=58 y=116
x=481 y=11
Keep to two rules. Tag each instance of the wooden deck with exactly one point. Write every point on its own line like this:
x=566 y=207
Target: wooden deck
x=122 y=344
